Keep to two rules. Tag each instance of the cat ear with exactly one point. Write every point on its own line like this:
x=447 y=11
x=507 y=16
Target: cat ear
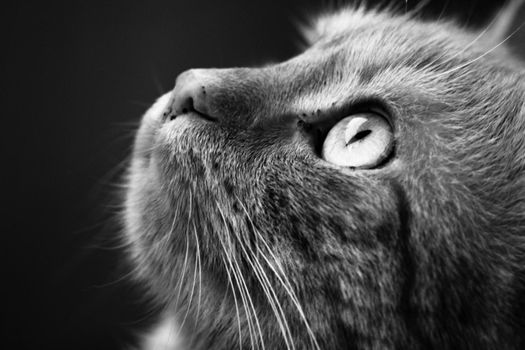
x=509 y=26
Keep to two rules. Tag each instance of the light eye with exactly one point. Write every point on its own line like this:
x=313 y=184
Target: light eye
x=360 y=141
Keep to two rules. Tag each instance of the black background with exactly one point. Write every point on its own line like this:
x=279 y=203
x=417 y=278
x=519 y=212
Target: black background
x=78 y=77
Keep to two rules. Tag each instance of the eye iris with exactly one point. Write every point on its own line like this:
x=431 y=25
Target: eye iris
x=359 y=141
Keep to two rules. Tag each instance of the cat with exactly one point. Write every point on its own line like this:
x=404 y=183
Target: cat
x=368 y=193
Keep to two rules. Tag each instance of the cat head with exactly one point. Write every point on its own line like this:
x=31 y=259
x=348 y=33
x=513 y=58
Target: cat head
x=369 y=191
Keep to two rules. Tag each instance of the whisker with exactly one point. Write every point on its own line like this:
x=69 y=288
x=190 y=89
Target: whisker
x=109 y=178
x=269 y=292
x=184 y=265
x=443 y=10
x=234 y=300
x=157 y=82
x=179 y=284
x=191 y=295
x=282 y=279
x=243 y=282
x=480 y=56
x=466 y=47
x=272 y=299
x=197 y=271
x=120 y=279
x=249 y=303
x=139 y=103
x=241 y=291
x=200 y=268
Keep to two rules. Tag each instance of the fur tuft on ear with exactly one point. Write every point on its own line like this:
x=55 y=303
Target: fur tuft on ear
x=509 y=26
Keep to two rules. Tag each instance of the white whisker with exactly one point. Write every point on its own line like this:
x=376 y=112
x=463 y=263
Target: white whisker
x=235 y=301
x=272 y=299
x=283 y=280
x=179 y=284
x=244 y=299
x=465 y=48
x=234 y=273
x=200 y=268
x=191 y=295
x=243 y=282
x=270 y=294
x=480 y=56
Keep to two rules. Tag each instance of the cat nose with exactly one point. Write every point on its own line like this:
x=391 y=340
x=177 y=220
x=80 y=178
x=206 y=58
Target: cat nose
x=230 y=96
x=192 y=93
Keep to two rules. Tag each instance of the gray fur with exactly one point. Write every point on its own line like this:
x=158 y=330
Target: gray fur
x=425 y=252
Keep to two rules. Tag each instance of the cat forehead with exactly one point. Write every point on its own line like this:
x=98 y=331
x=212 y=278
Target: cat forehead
x=361 y=38
x=355 y=23
x=333 y=24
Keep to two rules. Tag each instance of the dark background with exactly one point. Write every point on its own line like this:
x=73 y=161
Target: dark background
x=78 y=77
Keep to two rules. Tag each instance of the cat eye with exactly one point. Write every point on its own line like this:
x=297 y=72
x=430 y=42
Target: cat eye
x=362 y=140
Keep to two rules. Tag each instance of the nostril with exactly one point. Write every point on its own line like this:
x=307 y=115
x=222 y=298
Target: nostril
x=191 y=94
x=189 y=106
x=188 y=100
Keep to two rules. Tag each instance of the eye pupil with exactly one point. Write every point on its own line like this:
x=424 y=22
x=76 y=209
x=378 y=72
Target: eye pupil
x=359 y=136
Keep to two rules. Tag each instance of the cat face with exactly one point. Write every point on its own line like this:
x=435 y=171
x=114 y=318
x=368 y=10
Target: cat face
x=239 y=220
